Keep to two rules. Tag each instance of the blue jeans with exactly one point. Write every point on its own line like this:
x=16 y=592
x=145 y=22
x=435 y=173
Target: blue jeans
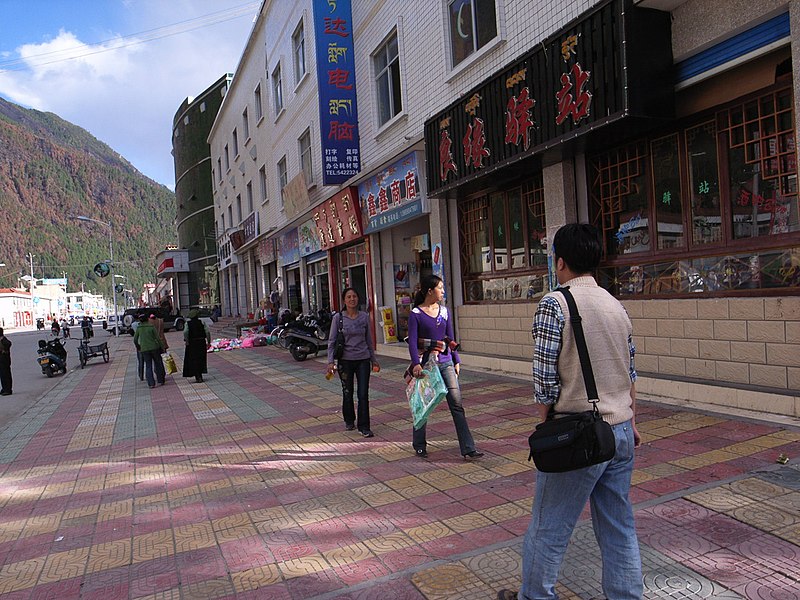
x=358 y=370
x=152 y=361
x=465 y=441
x=559 y=500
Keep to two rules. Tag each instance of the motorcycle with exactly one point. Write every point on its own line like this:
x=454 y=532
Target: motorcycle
x=278 y=335
x=39 y=324
x=308 y=334
x=52 y=357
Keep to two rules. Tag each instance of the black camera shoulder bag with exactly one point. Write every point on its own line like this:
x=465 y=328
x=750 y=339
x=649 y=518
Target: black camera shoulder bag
x=569 y=441
x=338 y=348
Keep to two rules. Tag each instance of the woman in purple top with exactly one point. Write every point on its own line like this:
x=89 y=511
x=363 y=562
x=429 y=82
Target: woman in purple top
x=430 y=321
x=356 y=360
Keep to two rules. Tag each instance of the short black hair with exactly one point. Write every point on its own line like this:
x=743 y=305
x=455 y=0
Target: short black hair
x=351 y=289
x=579 y=245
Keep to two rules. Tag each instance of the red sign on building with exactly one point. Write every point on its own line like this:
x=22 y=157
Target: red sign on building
x=338 y=219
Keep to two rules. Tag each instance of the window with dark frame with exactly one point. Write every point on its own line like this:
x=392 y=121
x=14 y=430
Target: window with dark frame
x=277 y=89
x=473 y=24
x=299 y=53
x=387 y=80
x=283 y=176
x=257 y=102
x=724 y=199
x=503 y=250
x=304 y=146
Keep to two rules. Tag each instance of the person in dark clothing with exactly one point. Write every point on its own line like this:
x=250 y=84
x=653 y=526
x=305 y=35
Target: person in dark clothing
x=5 y=364
x=198 y=339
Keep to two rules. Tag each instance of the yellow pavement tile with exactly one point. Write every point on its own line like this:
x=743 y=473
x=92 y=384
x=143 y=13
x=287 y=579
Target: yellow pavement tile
x=115 y=510
x=768 y=441
x=207 y=590
x=255 y=578
x=640 y=476
x=504 y=512
x=109 y=555
x=306 y=565
x=757 y=489
x=20 y=575
x=194 y=537
x=153 y=545
x=452 y=580
x=64 y=565
x=468 y=522
x=428 y=532
x=397 y=540
x=345 y=555
x=309 y=517
x=410 y=486
x=512 y=469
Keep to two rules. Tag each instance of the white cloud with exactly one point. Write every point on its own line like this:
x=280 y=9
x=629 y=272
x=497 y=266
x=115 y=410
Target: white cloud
x=126 y=93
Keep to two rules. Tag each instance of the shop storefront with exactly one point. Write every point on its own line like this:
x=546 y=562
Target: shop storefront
x=288 y=279
x=394 y=213
x=337 y=223
x=316 y=262
x=488 y=150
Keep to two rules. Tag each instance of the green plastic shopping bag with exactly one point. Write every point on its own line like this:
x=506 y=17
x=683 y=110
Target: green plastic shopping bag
x=425 y=393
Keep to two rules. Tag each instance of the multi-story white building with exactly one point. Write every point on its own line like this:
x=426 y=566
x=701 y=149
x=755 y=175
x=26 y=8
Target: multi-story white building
x=483 y=126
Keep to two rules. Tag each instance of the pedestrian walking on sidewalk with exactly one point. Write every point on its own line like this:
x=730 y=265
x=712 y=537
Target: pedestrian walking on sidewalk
x=139 y=358
x=197 y=338
x=430 y=326
x=5 y=365
x=147 y=342
x=558 y=384
x=356 y=361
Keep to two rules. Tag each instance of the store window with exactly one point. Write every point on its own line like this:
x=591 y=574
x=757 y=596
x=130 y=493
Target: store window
x=473 y=24
x=504 y=244
x=723 y=194
x=319 y=293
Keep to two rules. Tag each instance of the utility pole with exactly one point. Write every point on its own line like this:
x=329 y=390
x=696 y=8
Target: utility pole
x=30 y=257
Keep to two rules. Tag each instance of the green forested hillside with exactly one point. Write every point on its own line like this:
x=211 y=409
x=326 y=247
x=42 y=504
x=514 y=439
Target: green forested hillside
x=51 y=170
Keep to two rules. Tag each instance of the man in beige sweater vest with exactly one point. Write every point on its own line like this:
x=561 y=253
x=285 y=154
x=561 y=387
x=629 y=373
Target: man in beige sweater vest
x=558 y=385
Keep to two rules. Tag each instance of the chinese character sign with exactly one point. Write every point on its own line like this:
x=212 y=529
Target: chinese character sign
x=392 y=196
x=337 y=220
x=336 y=74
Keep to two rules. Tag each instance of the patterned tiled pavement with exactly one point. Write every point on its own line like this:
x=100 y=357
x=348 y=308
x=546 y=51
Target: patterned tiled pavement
x=247 y=486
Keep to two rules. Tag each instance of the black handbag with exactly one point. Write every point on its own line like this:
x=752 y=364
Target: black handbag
x=569 y=441
x=338 y=343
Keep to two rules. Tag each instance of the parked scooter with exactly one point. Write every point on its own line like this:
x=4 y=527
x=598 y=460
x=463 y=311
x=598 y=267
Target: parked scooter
x=52 y=357
x=309 y=334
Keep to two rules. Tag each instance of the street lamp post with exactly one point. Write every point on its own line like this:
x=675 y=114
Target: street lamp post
x=111 y=265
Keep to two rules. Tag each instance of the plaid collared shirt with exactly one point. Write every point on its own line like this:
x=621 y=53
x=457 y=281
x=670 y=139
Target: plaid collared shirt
x=548 y=327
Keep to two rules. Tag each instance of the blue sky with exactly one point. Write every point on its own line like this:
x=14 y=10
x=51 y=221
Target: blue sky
x=120 y=68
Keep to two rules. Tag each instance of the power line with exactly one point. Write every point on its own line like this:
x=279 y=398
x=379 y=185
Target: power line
x=142 y=37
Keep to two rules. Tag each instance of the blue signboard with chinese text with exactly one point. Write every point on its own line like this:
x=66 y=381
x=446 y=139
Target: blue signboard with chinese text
x=391 y=196
x=336 y=81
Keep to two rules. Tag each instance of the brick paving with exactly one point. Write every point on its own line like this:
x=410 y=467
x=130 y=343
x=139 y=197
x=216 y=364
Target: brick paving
x=247 y=486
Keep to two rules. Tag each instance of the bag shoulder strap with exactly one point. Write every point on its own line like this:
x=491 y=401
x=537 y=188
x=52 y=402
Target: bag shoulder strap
x=580 y=342
x=341 y=322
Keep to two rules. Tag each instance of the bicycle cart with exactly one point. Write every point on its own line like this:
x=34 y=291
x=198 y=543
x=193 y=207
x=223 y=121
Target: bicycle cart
x=87 y=351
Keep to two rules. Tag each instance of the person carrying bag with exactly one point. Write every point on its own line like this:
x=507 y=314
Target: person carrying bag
x=571 y=447
x=430 y=332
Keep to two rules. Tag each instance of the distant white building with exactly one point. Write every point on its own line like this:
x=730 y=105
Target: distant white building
x=16 y=308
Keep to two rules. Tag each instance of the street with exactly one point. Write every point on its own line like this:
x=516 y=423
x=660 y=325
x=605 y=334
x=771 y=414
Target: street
x=247 y=486
x=29 y=382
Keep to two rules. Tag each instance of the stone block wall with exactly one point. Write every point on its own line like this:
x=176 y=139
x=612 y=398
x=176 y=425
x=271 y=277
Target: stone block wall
x=747 y=341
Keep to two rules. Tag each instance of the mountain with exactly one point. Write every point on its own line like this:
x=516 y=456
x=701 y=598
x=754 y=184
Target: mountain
x=52 y=170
